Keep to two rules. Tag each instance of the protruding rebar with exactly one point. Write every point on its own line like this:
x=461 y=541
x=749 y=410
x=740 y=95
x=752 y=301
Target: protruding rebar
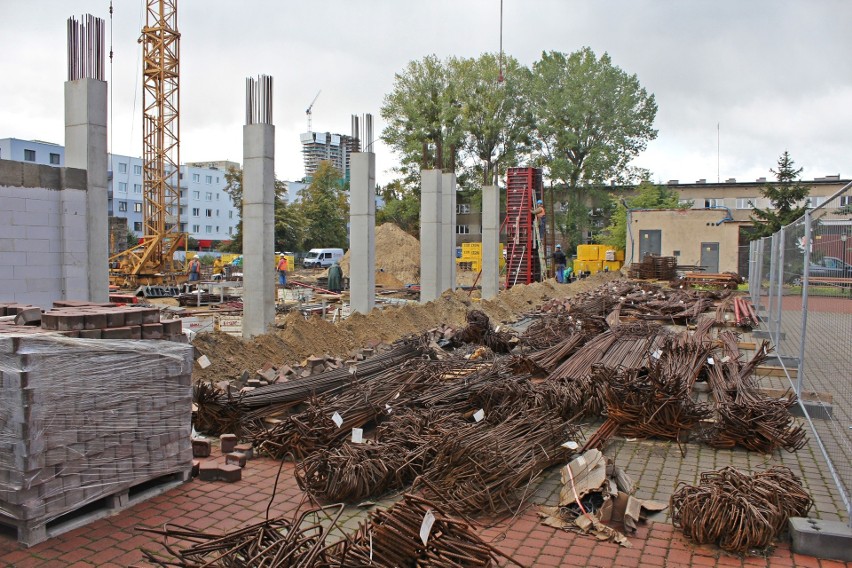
x=86 y=48
x=259 y=100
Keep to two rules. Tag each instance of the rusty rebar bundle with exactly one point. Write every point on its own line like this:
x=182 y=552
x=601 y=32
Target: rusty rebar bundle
x=480 y=332
x=392 y=538
x=737 y=511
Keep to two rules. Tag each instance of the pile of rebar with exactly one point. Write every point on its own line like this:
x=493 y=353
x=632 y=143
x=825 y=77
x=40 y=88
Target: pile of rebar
x=480 y=332
x=415 y=532
x=737 y=511
x=654 y=267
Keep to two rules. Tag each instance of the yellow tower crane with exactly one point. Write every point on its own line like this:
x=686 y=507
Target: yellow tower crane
x=152 y=261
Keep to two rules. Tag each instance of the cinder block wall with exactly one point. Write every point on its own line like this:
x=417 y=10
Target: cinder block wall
x=43 y=251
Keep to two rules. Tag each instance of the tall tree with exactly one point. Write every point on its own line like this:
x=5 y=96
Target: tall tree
x=592 y=118
x=401 y=207
x=325 y=209
x=422 y=118
x=495 y=118
x=648 y=196
x=784 y=195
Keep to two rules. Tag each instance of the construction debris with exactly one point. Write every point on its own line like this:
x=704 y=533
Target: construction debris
x=737 y=511
x=653 y=267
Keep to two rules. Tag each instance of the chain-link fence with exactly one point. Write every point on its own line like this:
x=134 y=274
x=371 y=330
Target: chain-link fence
x=800 y=279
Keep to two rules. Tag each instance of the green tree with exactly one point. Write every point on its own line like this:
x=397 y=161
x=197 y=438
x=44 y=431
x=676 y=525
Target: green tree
x=784 y=195
x=592 y=118
x=422 y=115
x=495 y=120
x=401 y=207
x=648 y=196
x=325 y=209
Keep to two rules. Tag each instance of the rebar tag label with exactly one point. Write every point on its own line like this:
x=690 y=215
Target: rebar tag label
x=426 y=526
x=479 y=415
x=337 y=419
x=357 y=435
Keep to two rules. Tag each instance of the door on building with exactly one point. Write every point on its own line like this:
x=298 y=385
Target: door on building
x=650 y=242
x=710 y=257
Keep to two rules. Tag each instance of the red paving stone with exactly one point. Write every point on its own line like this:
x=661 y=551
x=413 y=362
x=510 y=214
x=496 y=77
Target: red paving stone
x=114 y=541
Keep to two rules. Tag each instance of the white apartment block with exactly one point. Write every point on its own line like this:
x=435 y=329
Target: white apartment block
x=206 y=211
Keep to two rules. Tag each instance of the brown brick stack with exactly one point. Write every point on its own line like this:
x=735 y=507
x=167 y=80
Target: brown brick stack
x=81 y=421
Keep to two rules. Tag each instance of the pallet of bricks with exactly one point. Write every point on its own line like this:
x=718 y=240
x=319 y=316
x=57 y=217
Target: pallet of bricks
x=88 y=425
x=654 y=267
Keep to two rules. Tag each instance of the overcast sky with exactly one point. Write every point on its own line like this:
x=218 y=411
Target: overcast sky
x=774 y=75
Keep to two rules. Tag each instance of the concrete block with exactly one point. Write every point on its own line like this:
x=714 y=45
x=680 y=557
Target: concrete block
x=208 y=471
x=230 y=473
x=200 y=448
x=822 y=539
x=228 y=443
x=236 y=458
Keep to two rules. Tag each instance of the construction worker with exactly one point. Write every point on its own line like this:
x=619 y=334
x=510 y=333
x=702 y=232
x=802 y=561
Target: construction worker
x=194 y=269
x=335 y=278
x=539 y=217
x=282 y=270
x=559 y=262
x=218 y=265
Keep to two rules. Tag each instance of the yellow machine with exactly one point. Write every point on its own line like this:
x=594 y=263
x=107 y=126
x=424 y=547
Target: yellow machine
x=152 y=261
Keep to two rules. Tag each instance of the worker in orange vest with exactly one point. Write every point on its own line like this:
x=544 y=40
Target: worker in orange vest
x=282 y=271
x=194 y=269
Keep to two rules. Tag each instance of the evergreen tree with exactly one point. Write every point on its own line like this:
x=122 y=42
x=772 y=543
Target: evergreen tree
x=784 y=195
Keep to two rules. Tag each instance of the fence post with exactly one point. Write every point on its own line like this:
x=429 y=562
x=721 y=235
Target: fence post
x=805 y=278
x=773 y=273
x=780 y=284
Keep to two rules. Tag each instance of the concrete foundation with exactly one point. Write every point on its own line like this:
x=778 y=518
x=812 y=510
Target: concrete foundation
x=362 y=232
x=86 y=149
x=448 y=231
x=259 y=278
x=823 y=539
x=490 y=278
x=430 y=235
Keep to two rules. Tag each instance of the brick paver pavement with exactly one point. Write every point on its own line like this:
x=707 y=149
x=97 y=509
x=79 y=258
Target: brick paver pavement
x=218 y=506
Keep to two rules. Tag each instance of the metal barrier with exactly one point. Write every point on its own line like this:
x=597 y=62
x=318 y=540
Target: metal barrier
x=800 y=280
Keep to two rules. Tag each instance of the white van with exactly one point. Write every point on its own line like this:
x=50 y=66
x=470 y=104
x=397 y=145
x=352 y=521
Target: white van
x=322 y=257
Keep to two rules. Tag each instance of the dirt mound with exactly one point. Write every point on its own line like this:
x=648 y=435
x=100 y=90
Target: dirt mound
x=299 y=338
x=397 y=254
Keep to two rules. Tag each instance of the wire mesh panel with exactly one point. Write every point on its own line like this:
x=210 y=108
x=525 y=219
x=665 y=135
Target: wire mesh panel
x=826 y=304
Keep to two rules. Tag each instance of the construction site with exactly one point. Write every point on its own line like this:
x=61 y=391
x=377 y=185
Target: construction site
x=434 y=408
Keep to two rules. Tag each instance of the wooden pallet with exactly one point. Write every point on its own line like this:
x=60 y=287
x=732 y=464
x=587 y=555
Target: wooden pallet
x=35 y=531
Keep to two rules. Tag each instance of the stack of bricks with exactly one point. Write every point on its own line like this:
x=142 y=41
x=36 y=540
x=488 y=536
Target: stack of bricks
x=79 y=423
x=97 y=321
x=108 y=321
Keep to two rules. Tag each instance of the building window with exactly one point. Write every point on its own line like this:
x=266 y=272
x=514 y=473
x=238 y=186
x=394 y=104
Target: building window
x=217 y=179
x=208 y=196
x=196 y=195
x=462 y=230
x=230 y=230
x=217 y=228
x=817 y=201
x=217 y=212
x=137 y=207
x=54 y=159
x=196 y=178
x=183 y=227
x=182 y=194
x=122 y=187
x=137 y=170
x=209 y=229
x=122 y=168
x=712 y=203
x=208 y=179
x=845 y=200
x=29 y=155
x=122 y=206
x=462 y=208
x=230 y=214
x=137 y=188
x=137 y=226
x=745 y=203
x=217 y=197
x=196 y=211
x=208 y=212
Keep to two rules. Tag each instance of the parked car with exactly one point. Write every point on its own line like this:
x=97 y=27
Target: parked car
x=830 y=267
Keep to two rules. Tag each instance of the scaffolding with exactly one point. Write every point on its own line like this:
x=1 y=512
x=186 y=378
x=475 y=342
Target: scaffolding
x=526 y=245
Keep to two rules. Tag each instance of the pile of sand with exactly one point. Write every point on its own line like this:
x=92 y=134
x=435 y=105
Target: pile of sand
x=397 y=256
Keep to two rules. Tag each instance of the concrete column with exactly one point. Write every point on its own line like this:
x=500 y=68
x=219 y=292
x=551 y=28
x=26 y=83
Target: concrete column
x=448 y=232
x=430 y=235
x=362 y=232
x=86 y=149
x=490 y=241
x=259 y=277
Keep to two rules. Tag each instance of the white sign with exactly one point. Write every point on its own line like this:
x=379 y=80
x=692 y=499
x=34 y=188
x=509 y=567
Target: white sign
x=337 y=419
x=198 y=324
x=479 y=415
x=231 y=324
x=203 y=362
x=357 y=435
x=426 y=526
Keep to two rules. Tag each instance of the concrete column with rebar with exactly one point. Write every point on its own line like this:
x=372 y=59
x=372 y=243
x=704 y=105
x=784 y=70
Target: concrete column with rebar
x=448 y=231
x=431 y=230
x=490 y=241
x=258 y=210
x=86 y=149
x=362 y=232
